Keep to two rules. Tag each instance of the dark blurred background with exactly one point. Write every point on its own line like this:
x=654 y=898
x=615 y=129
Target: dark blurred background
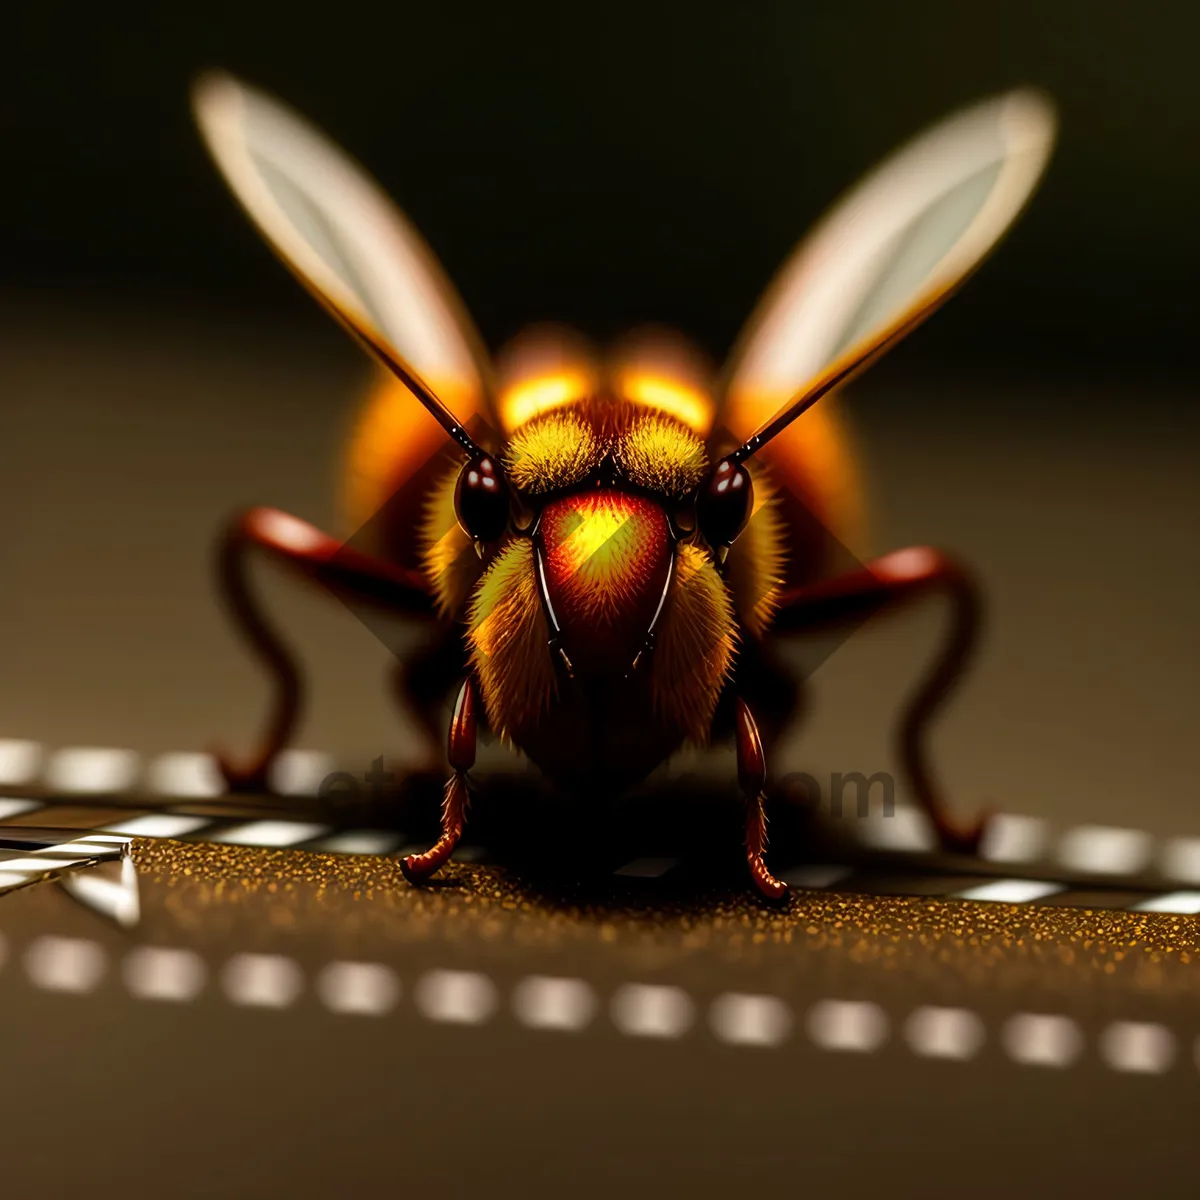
x=605 y=164
x=618 y=162
x=608 y=165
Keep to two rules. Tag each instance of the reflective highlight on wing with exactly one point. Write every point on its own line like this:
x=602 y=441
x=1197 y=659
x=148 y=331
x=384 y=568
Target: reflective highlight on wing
x=342 y=236
x=884 y=258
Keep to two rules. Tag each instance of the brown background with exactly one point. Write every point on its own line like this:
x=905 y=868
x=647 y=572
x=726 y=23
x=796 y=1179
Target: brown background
x=605 y=165
x=131 y=437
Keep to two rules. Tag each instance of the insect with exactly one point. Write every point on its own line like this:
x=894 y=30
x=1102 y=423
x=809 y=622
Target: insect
x=613 y=540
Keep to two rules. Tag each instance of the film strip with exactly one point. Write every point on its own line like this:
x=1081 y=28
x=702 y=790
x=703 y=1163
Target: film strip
x=79 y=805
x=69 y=817
x=646 y=1012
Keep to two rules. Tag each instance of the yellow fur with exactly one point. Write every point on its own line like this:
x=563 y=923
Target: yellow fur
x=694 y=650
x=447 y=555
x=552 y=452
x=508 y=635
x=755 y=567
x=507 y=631
x=660 y=454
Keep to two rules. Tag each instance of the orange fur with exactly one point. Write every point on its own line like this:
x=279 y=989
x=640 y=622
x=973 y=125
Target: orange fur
x=396 y=444
x=757 y=564
x=507 y=634
x=448 y=555
x=694 y=651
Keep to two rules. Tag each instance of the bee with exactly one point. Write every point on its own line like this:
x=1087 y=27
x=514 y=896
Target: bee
x=612 y=539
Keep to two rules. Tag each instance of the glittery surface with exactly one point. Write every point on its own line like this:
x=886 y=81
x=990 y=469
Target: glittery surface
x=851 y=938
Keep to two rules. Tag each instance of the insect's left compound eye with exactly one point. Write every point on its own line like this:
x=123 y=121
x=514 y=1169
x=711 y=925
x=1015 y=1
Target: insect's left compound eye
x=724 y=502
x=481 y=499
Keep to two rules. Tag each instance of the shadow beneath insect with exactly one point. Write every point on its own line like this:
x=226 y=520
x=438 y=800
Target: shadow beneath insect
x=670 y=844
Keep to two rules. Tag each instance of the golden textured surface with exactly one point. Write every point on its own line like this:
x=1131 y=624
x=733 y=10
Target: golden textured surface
x=992 y=946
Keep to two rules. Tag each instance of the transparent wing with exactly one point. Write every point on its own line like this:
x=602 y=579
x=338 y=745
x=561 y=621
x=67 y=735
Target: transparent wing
x=884 y=258
x=342 y=236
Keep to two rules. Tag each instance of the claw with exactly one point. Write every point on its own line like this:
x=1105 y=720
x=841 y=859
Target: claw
x=417 y=868
x=243 y=780
x=768 y=886
x=966 y=840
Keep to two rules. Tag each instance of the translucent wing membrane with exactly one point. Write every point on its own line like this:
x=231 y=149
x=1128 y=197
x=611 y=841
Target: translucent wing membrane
x=341 y=235
x=892 y=250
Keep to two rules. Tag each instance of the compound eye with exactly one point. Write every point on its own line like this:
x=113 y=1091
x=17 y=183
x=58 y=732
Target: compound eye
x=724 y=502
x=481 y=499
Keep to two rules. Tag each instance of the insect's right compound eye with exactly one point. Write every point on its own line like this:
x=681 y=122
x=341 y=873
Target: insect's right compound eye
x=724 y=502
x=481 y=499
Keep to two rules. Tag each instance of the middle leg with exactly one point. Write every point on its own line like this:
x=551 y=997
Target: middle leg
x=318 y=558
x=896 y=579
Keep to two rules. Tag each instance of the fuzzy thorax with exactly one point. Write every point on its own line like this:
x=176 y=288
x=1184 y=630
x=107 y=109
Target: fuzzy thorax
x=694 y=650
x=508 y=637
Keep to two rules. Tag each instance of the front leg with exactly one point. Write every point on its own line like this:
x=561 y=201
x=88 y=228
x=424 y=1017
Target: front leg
x=461 y=752
x=752 y=776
